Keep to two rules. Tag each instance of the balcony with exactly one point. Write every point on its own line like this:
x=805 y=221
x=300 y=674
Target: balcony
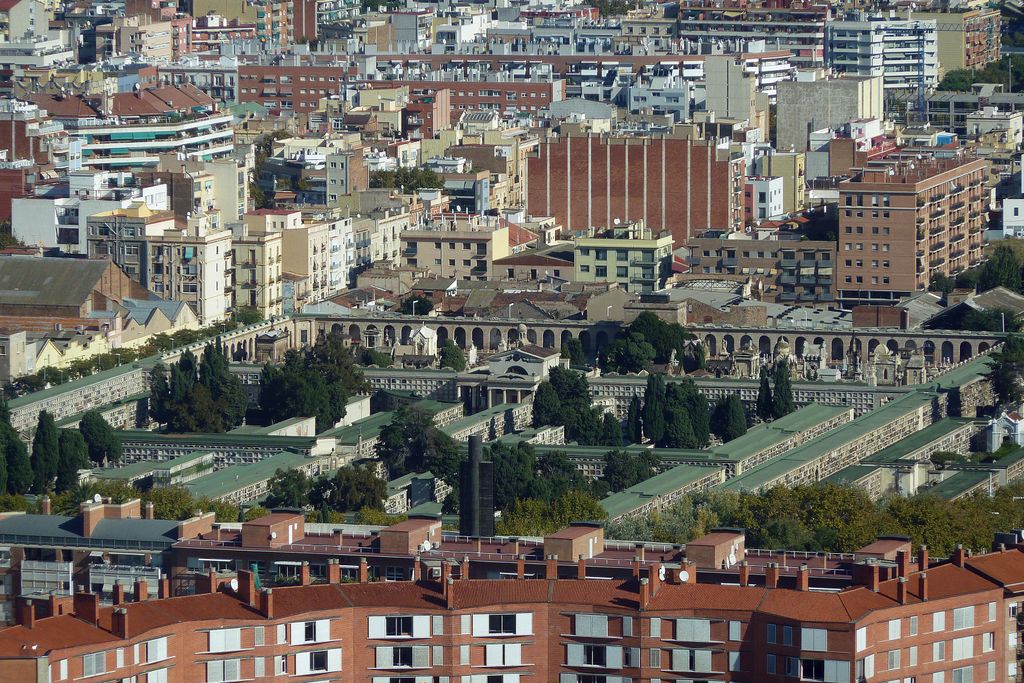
x=937 y=212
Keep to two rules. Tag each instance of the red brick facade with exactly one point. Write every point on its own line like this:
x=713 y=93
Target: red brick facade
x=672 y=184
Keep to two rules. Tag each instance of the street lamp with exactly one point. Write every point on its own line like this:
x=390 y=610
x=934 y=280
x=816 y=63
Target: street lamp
x=510 y=310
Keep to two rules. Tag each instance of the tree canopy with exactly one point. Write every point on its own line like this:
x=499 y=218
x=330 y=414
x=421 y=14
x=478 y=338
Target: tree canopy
x=564 y=399
x=288 y=489
x=406 y=179
x=316 y=383
x=451 y=356
x=411 y=443
x=102 y=442
x=1007 y=370
x=198 y=396
x=729 y=418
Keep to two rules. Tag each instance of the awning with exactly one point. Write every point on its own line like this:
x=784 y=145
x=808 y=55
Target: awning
x=807 y=271
x=827 y=270
x=289 y=563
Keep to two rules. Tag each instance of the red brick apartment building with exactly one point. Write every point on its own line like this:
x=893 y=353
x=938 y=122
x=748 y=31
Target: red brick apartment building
x=953 y=621
x=686 y=186
x=903 y=220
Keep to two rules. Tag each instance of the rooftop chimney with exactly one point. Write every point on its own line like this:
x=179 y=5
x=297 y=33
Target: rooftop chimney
x=364 y=571
x=959 y=556
x=744 y=577
x=901 y=590
x=645 y=593
x=247 y=587
x=304 y=573
x=654 y=571
x=333 y=571
x=148 y=511
x=803 y=578
x=922 y=586
x=120 y=622
x=551 y=567
x=141 y=591
x=267 y=603
x=902 y=563
x=922 y=558
x=87 y=607
x=45 y=506
x=26 y=613
x=581 y=567
x=771 y=575
x=118 y=597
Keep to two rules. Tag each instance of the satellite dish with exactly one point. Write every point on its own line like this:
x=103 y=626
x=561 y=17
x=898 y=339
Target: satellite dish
x=273 y=535
x=234 y=585
x=425 y=546
x=661 y=573
x=97 y=498
x=684 y=576
x=732 y=559
x=616 y=221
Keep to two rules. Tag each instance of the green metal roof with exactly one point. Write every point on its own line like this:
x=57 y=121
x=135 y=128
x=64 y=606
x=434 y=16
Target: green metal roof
x=625 y=501
x=75 y=385
x=918 y=440
x=768 y=434
x=228 y=439
x=232 y=478
x=955 y=485
x=137 y=470
x=366 y=428
x=477 y=418
x=757 y=477
x=850 y=475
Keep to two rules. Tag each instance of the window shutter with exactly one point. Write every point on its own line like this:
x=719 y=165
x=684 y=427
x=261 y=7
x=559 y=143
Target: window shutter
x=680 y=660
x=566 y=678
x=421 y=626
x=298 y=631
x=302 y=663
x=421 y=656
x=524 y=624
x=702 y=660
x=282 y=629
x=480 y=625
x=323 y=630
x=214 y=672
x=437 y=655
x=494 y=655
x=334 y=659
x=467 y=621
x=574 y=654
x=257 y=667
x=655 y=627
x=464 y=655
x=513 y=654
x=613 y=657
x=437 y=625
x=377 y=627
x=232 y=670
x=384 y=657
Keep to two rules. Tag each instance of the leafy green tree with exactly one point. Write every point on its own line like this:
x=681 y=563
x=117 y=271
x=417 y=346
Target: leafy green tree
x=628 y=353
x=516 y=473
x=288 y=489
x=246 y=315
x=102 y=442
x=171 y=502
x=765 y=401
x=782 y=392
x=943 y=284
x=695 y=358
x=634 y=422
x=654 y=408
x=198 y=396
x=729 y=419
x=417 y=305
x=623 y=469
x=611 y=431
x=529 y=517
x=684 y=396
x=411 y=443
x=349 y=489
x=73 y=456
x=1006 y=371
x=45 y=453
x=573 y=350
x=564 y=399
x=666 y=338
x=1002 y=269
x=991 y=320
x=374 y=357
x=451 y=356
x=406 y=179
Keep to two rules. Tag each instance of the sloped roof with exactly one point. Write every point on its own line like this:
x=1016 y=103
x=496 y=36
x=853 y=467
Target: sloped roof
x=31 y=281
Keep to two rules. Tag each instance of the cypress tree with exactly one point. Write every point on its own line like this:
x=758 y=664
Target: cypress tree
x=634 y=423
x=764 y=408
x=45 y=453
x=782 y=395
x=654 y=408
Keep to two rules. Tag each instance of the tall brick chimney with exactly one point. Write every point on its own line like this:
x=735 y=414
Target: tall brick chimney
x=46 y=506
x=333 y=571
x=922 y=558
x=26 y=613
x=902 y=563
x=771 y=575
x=364 y=571
x=141 y=590
x=959 y=556
x=267 y=603
x=645 y=593
x=803 y=578
x=87 y=607
x=744 y=577
x=120 y=622
x=551 y=567
x=581 y=567
x=901 y=590
x=118 y=597
x=922 y=586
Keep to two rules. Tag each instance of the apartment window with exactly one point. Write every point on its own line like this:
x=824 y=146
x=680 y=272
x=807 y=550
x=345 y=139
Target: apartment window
x=257 y=632
x=963 y=617
x=939 y=621
x=594 y=655
x=991 y=611
x=398 y=626
x=814 y=639
x=963 y=648
x=939 y=651
x=621 y=271
x=502 y=624
x=156 y=650
x=893 y=657
x=734 y=630
x=913 y=620
x=601 y=271
x=988 y=642
x=223 y=670
x=772 y=638
x=655 y=658
x=939 y=677
x=94 y=664
x=225 y=640
x=912 y=656
x=963 y=675
x=787 y=635
x=862 y=639
x=734 y=661
x=770 y=664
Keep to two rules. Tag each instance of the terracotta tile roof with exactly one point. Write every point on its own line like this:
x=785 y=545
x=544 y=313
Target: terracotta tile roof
x=65 y=107
x=469 y=594
x=944 y=581
x=806 y=606
x=1005 y=568
x=707 y=596
x=50 y=634
x=154 y=614
x=518 y=235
